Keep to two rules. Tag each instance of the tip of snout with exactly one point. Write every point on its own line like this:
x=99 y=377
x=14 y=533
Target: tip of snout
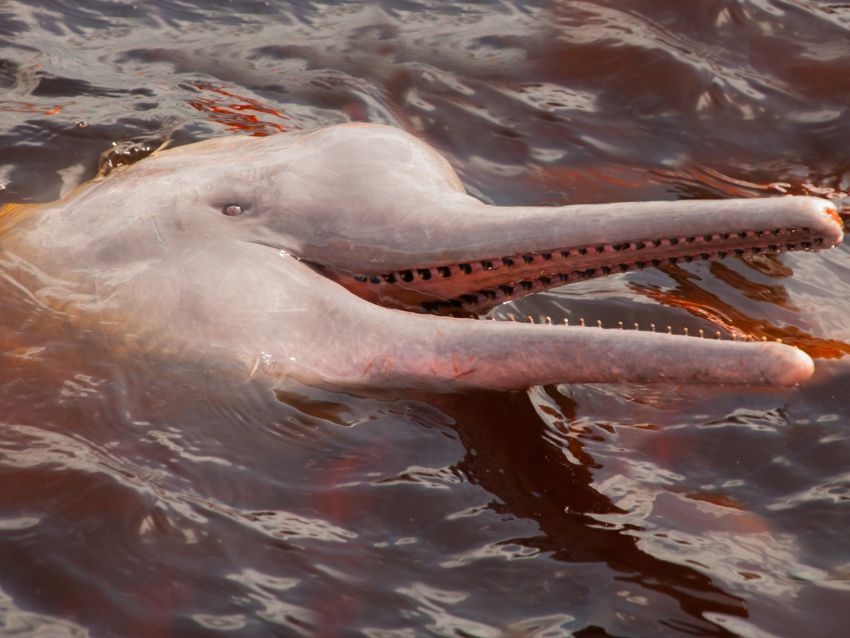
x=831 y=225
x=790 y=366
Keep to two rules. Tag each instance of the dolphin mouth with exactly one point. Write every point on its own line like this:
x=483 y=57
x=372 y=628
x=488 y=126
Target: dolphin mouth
x=476 y=285
x=466 y=271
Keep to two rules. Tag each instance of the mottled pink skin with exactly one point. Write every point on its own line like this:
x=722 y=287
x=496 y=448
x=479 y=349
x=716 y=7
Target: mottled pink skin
x=147 y=255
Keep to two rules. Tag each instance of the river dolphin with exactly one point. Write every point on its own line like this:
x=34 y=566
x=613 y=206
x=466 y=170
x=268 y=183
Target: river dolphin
x=334 y=256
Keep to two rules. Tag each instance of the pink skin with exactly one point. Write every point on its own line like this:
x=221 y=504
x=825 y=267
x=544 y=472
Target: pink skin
x=146 y=255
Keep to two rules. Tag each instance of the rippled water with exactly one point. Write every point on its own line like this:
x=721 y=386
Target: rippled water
x=142 y=499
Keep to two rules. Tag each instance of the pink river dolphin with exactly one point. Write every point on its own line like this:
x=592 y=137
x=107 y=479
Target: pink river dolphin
x=333 y=256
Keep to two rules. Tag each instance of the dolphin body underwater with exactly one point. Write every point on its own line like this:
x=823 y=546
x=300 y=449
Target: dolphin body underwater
x=329 y=256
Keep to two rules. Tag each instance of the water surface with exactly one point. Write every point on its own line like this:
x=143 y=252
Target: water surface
x=139 y=498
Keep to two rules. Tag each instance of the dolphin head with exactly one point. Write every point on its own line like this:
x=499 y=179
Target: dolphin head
x=327 y=254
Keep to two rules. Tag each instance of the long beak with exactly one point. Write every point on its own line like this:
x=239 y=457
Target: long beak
x=443 y=352
x=474 y=256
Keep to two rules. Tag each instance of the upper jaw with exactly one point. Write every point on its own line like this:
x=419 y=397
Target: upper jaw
x=540 y=248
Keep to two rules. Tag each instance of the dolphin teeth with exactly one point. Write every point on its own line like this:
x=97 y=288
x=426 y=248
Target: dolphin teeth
x=561 y=270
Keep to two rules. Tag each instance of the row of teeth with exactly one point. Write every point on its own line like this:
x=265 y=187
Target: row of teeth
x=434 y=272
x=507 y=292
x=547 y=320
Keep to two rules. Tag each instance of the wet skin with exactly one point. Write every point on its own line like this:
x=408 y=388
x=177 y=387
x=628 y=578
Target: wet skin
x=328 y=256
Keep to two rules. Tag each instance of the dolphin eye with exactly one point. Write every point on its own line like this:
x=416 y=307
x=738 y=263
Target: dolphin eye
x=232 y=210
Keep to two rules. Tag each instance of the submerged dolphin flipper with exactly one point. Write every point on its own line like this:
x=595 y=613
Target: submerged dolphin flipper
x=327 y=256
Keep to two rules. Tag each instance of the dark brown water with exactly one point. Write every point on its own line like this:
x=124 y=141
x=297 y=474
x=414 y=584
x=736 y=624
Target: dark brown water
x=139 y=499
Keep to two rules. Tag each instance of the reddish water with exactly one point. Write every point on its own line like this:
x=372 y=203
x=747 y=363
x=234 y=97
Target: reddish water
x=137 y=499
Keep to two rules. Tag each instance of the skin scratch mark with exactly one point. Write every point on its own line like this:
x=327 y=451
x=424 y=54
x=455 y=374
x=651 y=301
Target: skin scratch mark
x=254 y=368
x=156 y=230
x=385 y=366
x=457 y=366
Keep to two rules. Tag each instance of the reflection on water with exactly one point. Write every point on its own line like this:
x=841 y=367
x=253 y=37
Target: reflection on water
x=142 y=498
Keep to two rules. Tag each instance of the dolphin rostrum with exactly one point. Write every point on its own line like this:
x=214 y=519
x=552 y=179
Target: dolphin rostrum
x=302 y=255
